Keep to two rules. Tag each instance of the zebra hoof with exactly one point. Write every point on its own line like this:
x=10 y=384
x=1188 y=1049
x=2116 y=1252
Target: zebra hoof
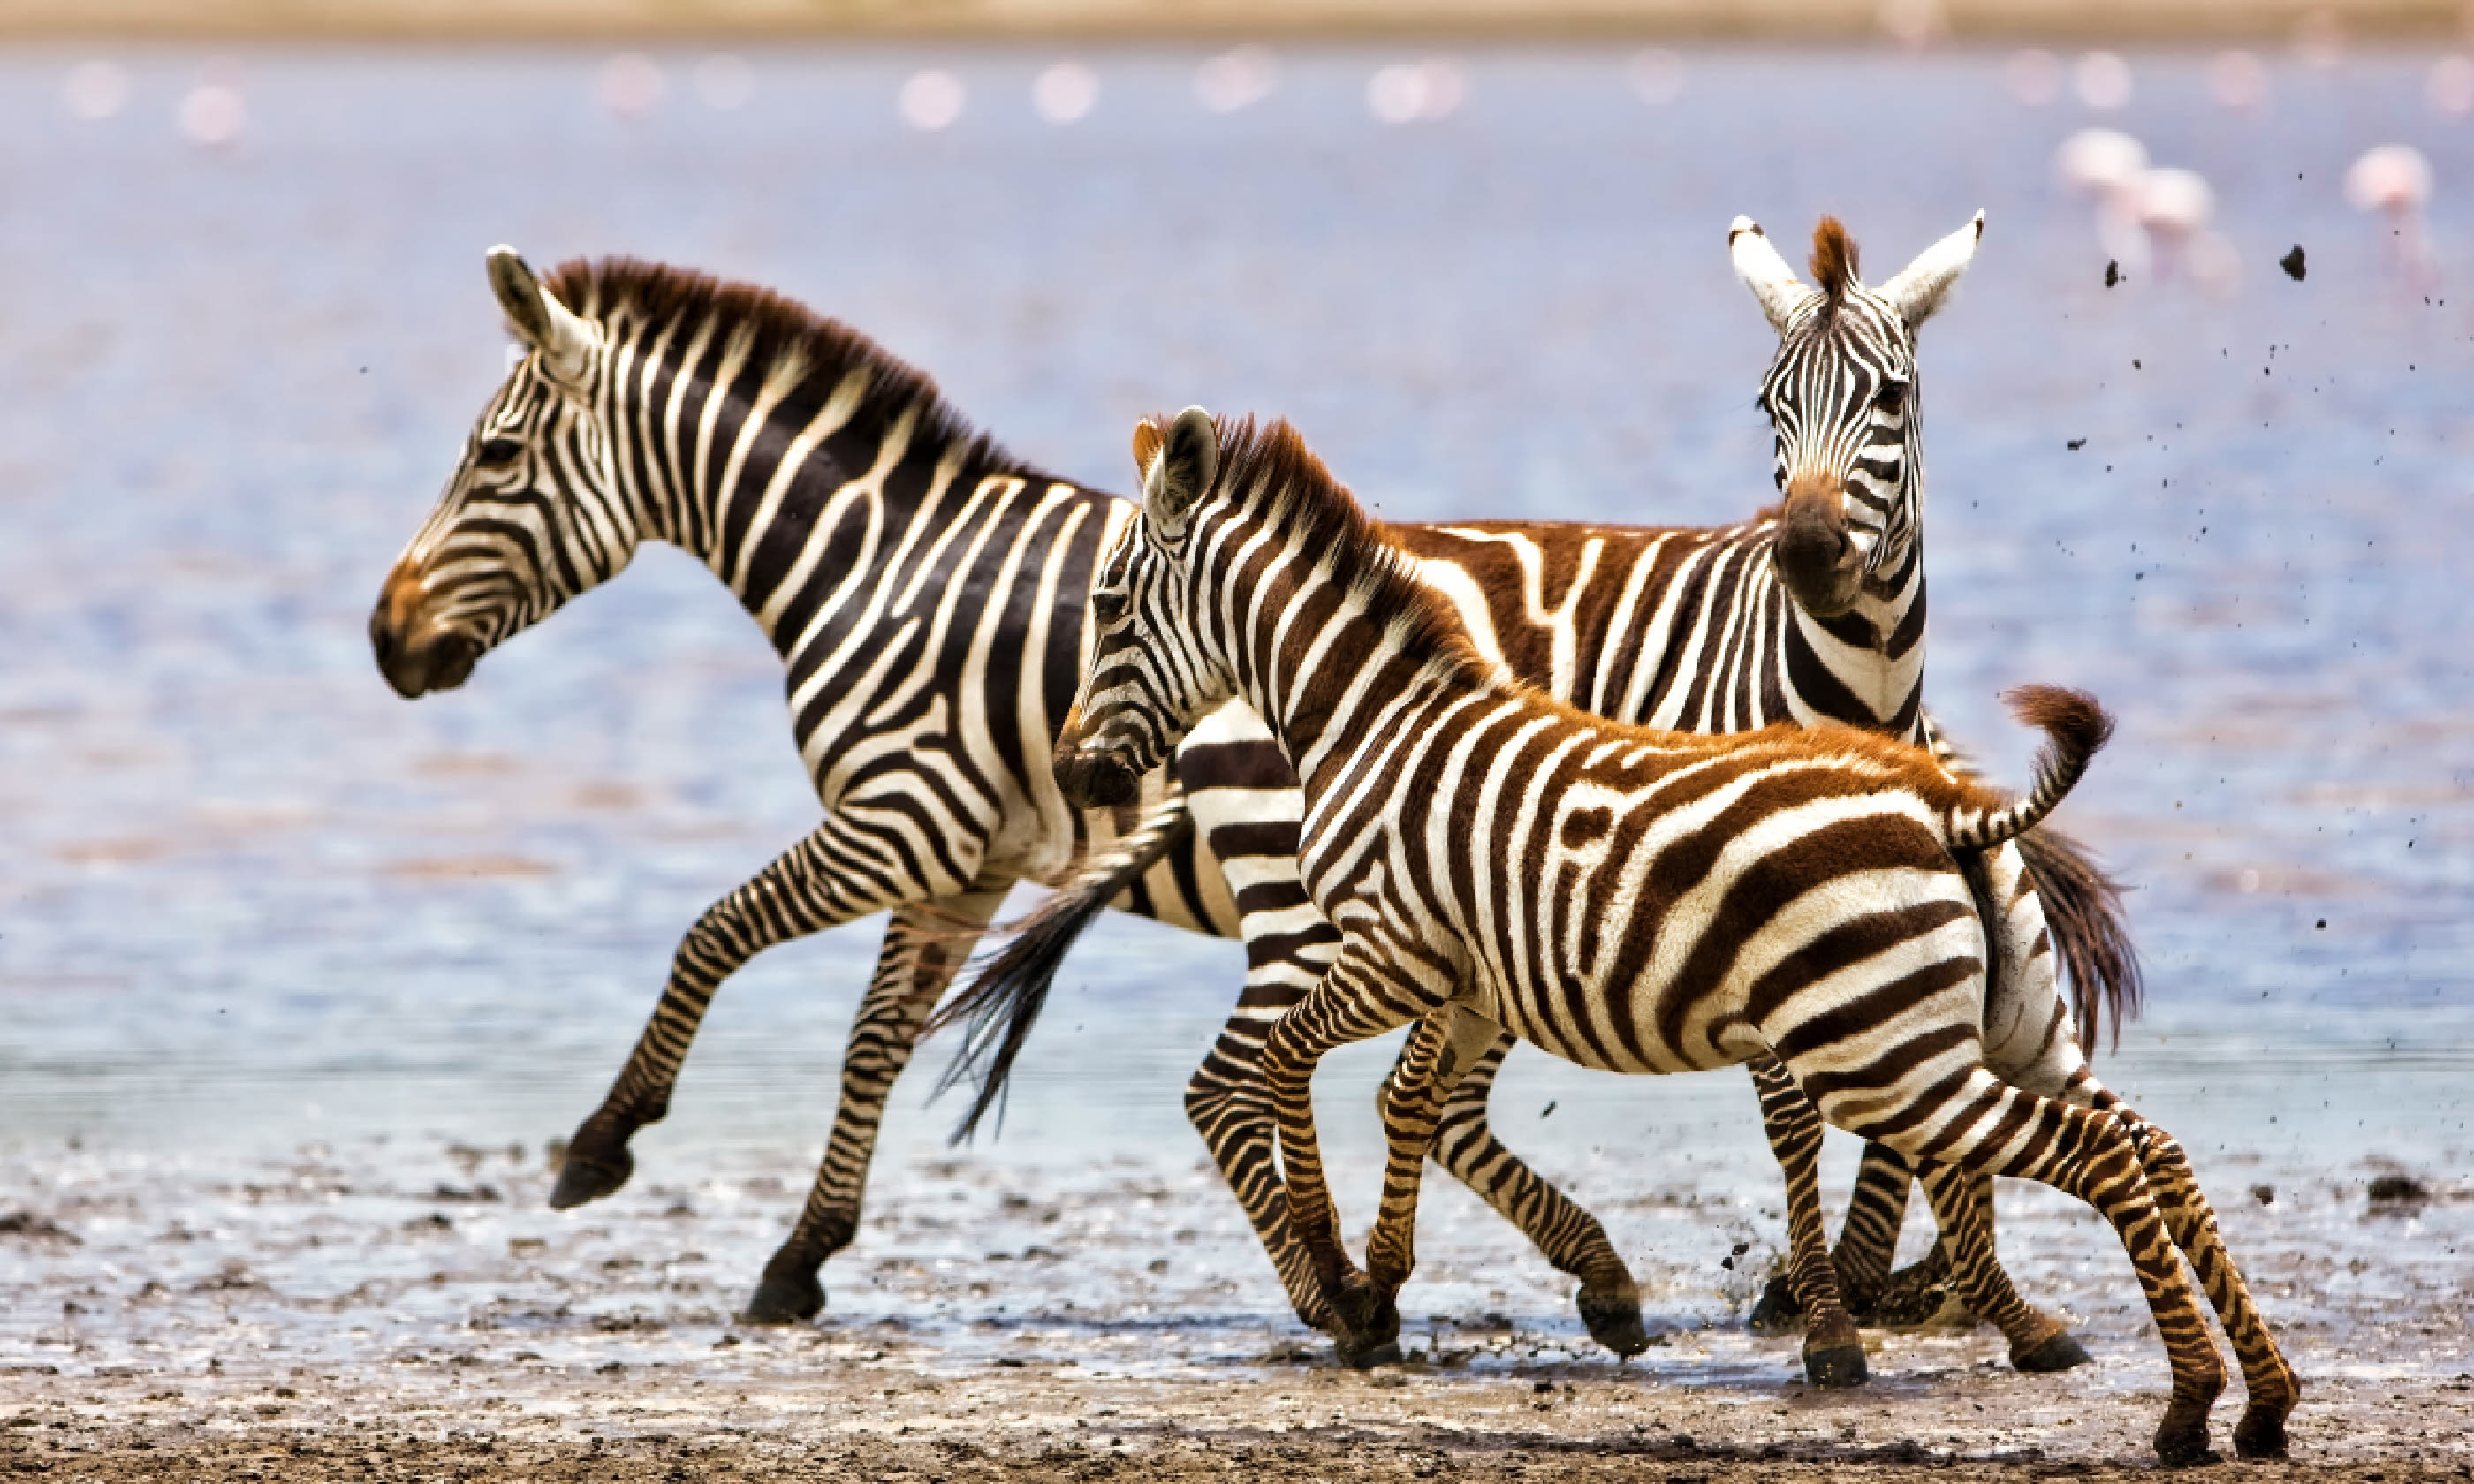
x=2261 y=1433
x=2188 y=1456
x=1367 y=1357
x=2182 y=1437
x=2058 y=1351
x=1837 y=1368
x=1779 y=1311
x=1615 y=1320
x=785 y=1297
x=586 y=1178
x=1369 y=1324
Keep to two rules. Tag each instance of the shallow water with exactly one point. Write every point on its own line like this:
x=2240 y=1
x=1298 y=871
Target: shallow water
x=256 y=902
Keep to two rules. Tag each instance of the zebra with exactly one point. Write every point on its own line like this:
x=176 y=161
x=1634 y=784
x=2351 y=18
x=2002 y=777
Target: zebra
x=926 y=593
x=1810 y=612
x=1630 y=899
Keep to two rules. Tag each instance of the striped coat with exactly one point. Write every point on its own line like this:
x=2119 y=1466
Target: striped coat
x=1708 y=629
x=1635 y=899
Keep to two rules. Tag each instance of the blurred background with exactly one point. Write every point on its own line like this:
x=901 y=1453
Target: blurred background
x=2197 y=430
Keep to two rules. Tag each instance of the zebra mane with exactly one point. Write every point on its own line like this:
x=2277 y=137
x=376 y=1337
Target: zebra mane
x=1270 y=469
x=1834 y=261
x=656 y=295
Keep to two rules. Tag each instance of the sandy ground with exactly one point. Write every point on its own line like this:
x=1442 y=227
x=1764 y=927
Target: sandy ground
x=398 y=1309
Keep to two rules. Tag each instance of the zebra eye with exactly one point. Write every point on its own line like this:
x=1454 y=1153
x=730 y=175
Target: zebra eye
x=1894 y=396
x=498 y=451
x=1109 y=607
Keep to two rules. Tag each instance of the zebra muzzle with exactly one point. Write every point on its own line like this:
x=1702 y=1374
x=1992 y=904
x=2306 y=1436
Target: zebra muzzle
x=415 y=668
x=1096 y=780
x=1816 y=559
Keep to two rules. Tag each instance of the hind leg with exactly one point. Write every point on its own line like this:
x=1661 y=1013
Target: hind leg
x=1965 y=1116
x=1962 y=1202
x=2269 y=1383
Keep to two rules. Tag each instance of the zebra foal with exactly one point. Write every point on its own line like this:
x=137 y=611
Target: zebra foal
x=1638 y=901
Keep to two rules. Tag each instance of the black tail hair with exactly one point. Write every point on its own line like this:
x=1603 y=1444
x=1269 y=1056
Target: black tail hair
x=1003 y=1002
x=2083 y=911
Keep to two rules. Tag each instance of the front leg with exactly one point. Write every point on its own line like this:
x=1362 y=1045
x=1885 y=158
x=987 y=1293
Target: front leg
x=1356 y=999
x=1834 y=1354
x=809 y=888
x=924 y=946
x=1439 y=1053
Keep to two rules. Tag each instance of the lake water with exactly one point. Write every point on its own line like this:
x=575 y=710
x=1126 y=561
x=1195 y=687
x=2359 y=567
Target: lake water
x=254 y=901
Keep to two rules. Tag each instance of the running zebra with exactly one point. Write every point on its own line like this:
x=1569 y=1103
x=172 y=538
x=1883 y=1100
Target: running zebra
x=1811 y=612
x=926 y=594
x=1630 y=899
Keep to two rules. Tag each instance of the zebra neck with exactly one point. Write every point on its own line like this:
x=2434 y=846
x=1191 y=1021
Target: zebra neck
x=793 y=486
x=1335 y=683
x=1865 y=667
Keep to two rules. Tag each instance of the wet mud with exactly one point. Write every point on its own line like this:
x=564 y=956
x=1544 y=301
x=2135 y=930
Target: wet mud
x=405 y=1309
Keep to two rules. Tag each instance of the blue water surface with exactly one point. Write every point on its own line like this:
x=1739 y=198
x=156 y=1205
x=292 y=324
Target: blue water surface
x=248 y=893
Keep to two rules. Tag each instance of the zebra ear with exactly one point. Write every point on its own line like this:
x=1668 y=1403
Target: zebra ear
x=1147 y=448
x=1188 y=461
x=1774 y=284
x=565 y=341
x=1921 y=286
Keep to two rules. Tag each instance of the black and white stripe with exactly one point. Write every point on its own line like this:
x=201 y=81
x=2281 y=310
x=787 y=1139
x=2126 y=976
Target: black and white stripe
x=1634 y=899
x=1811 y=613
x=926 y=593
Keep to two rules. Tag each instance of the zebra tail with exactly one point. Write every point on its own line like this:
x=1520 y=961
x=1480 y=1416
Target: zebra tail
x=2075 y=727
x=1001 y=1005
x=2083 y=911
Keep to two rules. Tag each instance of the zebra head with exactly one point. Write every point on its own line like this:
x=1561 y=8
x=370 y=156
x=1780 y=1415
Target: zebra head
x=1841 y=398
x=532 y=516
x=1151 y=675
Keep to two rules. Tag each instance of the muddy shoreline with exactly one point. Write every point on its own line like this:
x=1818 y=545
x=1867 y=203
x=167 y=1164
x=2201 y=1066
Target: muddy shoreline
x=390 y=1308
x=861 y=1420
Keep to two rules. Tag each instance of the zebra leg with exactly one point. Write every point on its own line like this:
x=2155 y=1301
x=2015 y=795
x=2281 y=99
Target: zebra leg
x=1975 y=1120
x=1353 y=1004
x=1439 y=1052
x=800 y=892
x=1962 y=1202
x=924 y=946
x=2268 y=1381
x=1877 y=1211
x=2025 y=1013
x=1229 y=1105
x=1834 y=1354
x=1568 y=1235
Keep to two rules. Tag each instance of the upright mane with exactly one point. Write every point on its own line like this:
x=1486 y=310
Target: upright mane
x=1833 y=260
x=1270 y=469
x=655 y=296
